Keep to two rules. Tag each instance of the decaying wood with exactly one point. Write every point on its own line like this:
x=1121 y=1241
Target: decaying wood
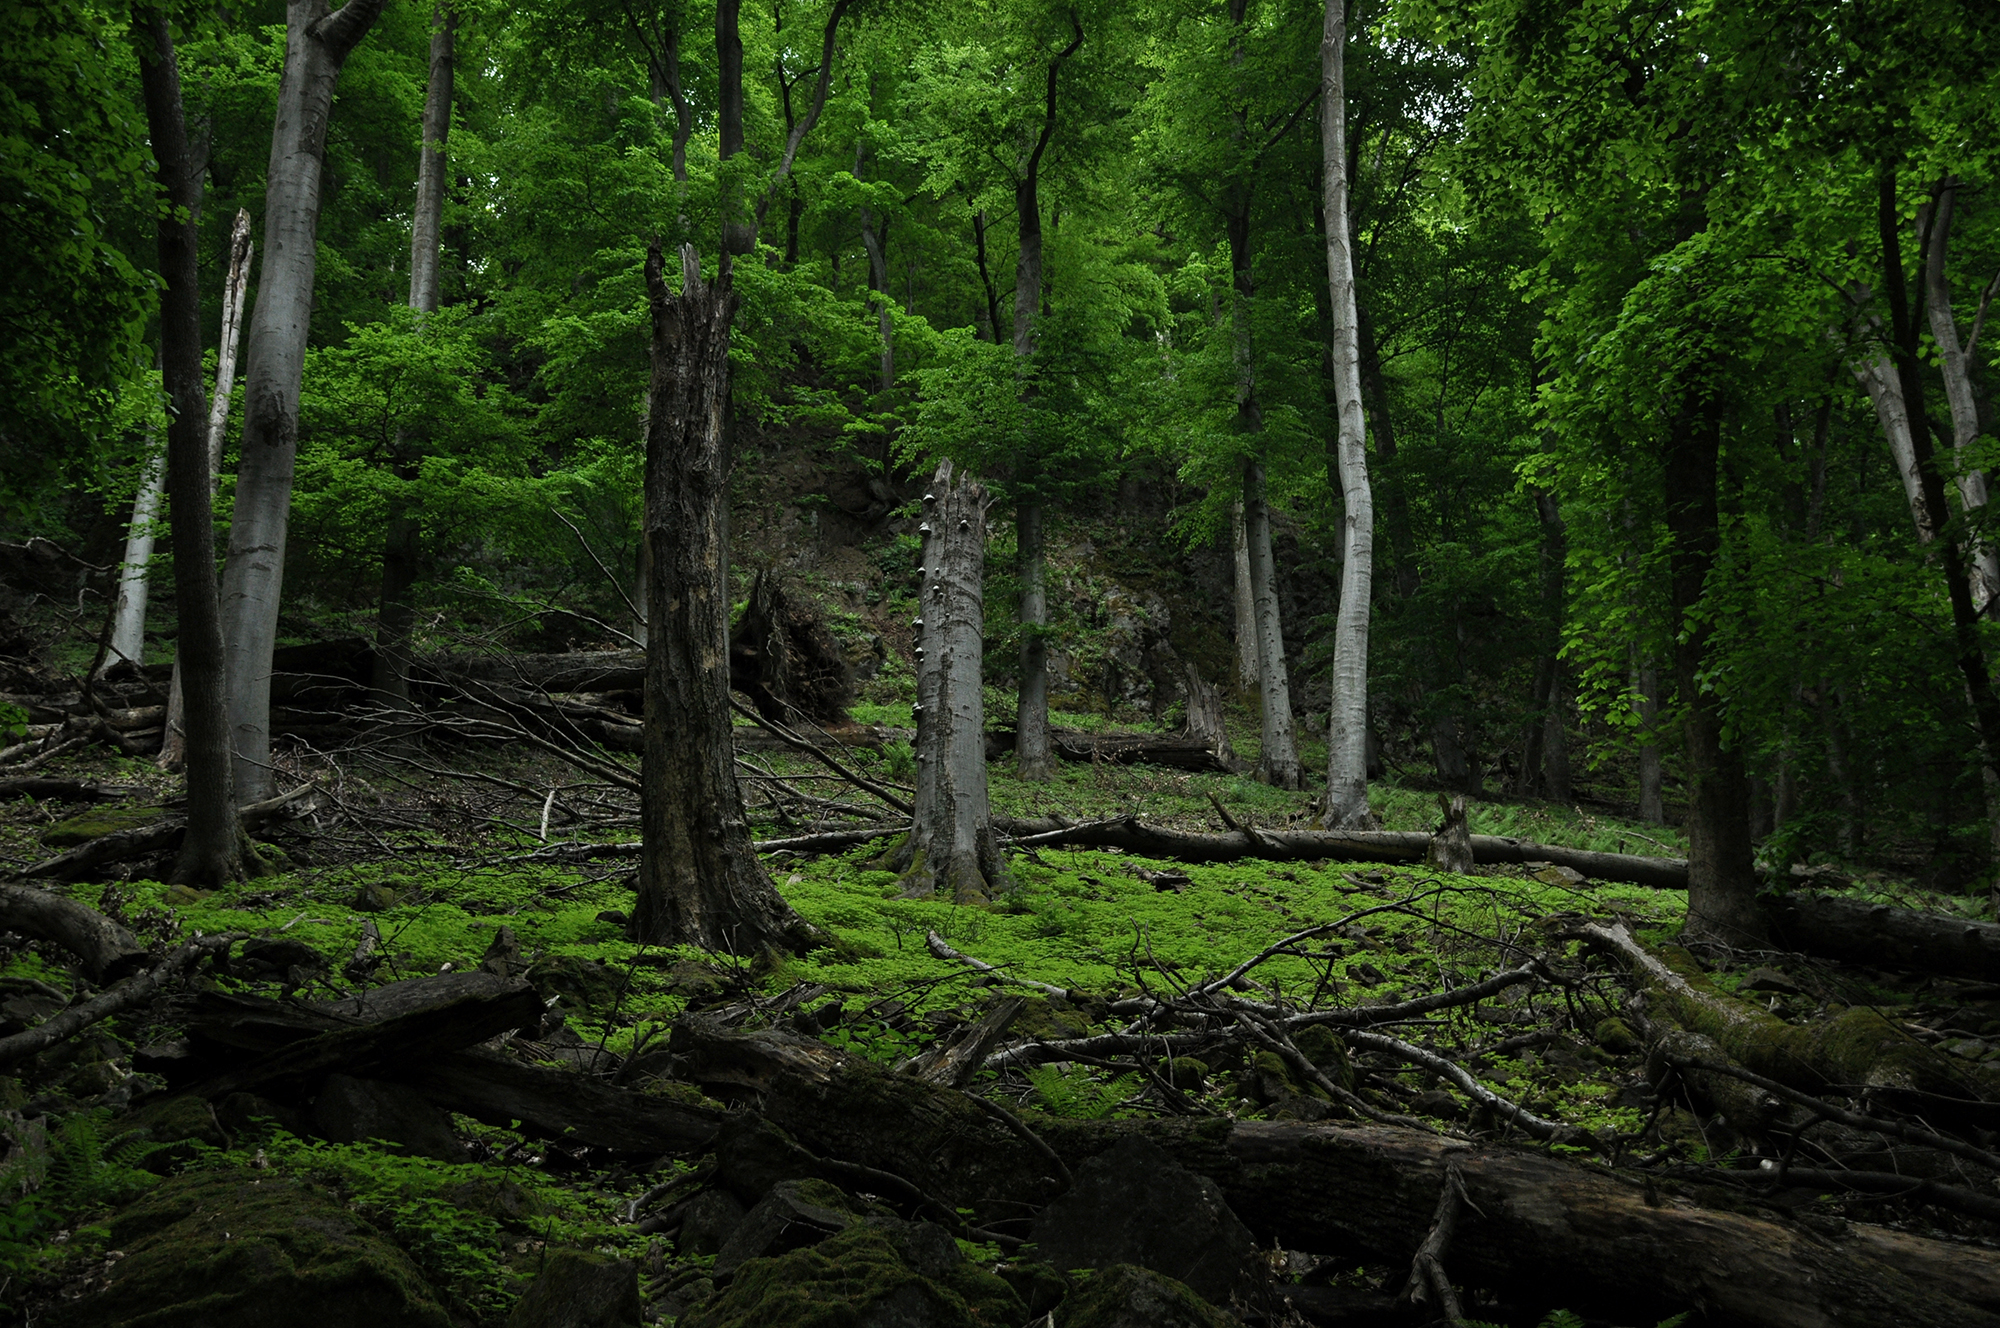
x=952 y=1061
x=108 y=950
x=1181 y=751
x=1857 y=1050
x=562 y=1104
x=49 y=788
x=135 y=990
x=1861 y=932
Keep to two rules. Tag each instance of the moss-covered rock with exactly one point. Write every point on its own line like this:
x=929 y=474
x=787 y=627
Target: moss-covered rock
x=234 y=1249
x=97 y=823
x=1323 y=1047
x=1127 y=1296
x=1616 y=1036
x=857 y=1278
x=1187 y=1073
x=578 y=1289
x=580 y=982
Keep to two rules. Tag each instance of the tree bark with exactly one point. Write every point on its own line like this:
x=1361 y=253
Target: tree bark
x=402 y=542
x=1722 y=885
x=1034 y=756
x=700 y=882
x=951 y=848
x=173 y=745
x=317 y=43
x=108 y=950
x=214 y=849
x=1247 y=676
x=1857 y=931
x=127 y=644
x=1646 y=682
x=1347 y=732
x=1278 y=757
x=1958 y=390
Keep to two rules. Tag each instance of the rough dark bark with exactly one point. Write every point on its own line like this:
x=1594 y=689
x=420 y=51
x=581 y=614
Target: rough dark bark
x=951 y=848
x=562 y=1104
x=783 y=658
x=213 y=850
x=700 y=882
x=1722 y=883
x=1033 y=753
x=1857 y=931
x=1553 y=556
x=1450 y=849
x=317 y=43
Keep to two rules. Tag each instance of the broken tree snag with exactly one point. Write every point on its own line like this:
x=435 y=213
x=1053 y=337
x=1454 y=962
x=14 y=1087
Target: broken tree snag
x=108 y=950
x=1203 y=720
x=1534 y=1226
x=1451 y=843
x=700 y=882
x=951 y=848
x=785 y=660
x=1857 y=1051
x=953 y=1059
x=1860 y=932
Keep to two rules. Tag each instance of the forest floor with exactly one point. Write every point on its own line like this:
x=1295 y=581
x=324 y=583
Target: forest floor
x=441 y=863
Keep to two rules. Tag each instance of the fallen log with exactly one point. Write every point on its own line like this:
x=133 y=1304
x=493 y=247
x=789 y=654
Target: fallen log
x=1861 y=932
x=135 y=990
x=585 y=671
x=49 y=788
x=562 y=1104
x=1536 y=1226
x=1180 y=751
x=1857 y=1050
x=108 y=950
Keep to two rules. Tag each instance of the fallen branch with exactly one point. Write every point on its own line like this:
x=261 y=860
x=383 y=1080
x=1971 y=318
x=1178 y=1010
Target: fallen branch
x=135 y=990
x=108 y=950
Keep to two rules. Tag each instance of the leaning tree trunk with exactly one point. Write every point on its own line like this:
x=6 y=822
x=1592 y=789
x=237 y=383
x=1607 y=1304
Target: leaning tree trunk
x=402 y=542
x=317 y=43
x=1722 y=885
x=951 y=846
x=1244 y=600
x=700 y=882
x=1956 y=363
x=127 y=643
x=1278 y=759
x=214 y=849
x=1347 y=735
x=173 y=742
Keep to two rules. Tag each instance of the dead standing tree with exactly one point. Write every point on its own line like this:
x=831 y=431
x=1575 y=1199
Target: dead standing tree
x=951 y=844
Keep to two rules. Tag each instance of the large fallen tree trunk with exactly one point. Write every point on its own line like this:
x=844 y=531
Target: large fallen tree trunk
x=1858 y=1050
x=1181 y=751
x=1537 y=1226
x=1861 y=932
x=562 y=1104
x=108 y=951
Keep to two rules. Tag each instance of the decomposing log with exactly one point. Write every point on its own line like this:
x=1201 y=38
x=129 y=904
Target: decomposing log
x=49 y=788
x=162 y=835
x=108 y=950
x=1181 y=751
x=952 y=1061
x=1857 y=1050
x=135 y=990
x=586 y=671
x=1533 y=1222
x=562 y=1104
x=783 y=658
x=1862 y=932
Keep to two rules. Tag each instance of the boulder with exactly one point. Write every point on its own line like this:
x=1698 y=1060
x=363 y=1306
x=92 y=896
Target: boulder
x=236 y=1249
x=577 y=1289
x=1133 y=1204
x=1124 y=1296
x=350 y=1110
x=864 y=1277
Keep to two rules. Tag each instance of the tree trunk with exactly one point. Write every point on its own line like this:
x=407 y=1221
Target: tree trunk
x=1555 y=737
x=1722 y=885
x=1278 y=758
x=1033 y=756
x=128 y=614
x=214 y=850
x=1958 y=392
x=873 y=240
x=1646 y=682
x=951 y=848
x=402 y=542
x=1347 y=732
x=173 y=743
x=317 y=43
x=700 y=882
x=1247 y=676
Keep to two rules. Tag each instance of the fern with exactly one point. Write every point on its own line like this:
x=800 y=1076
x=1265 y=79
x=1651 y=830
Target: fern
x=1079 y=1096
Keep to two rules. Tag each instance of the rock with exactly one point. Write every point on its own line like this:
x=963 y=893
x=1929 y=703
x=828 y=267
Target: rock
x=1133 y=1204
x=794 y=1213
x=374 y=897
x=178 y=1119
x=1040 y=1287
x=502 y=1200
x=580 y=982
x=1769 y=979
x=857 y=1279
x=350 y=1110
x=247 y=1113
x=1616 y=1036
x=180 y=896
x=503 y=956
x=577 y=1289
x=1187 y=1073
x=1323 y=1047
x=1123 y=1296
x=1438 y=1104
x=710 y=1219
x=1549 y=874
x=753 y=1155
x=278 y=954
x=233 y=1249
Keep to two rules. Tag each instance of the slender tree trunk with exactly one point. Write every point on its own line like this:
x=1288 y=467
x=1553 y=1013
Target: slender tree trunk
x=317 y=43
x=1646 y=683
x=1547 y=698
x=173 y=743
x=1555 y=737
x=700 y=881
x=878 y=282
x=1245 y=597
x=1278 y=761
x=951 y=848
x=1959 y=394
x=1034 y=756
x=128 y=613
x=402 y=542
x=1347 y=735
x=986 y=275
x=1722 y=885
x=214 y=849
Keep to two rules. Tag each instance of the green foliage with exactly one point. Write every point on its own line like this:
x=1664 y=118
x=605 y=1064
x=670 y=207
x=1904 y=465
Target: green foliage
x=1076 y=1094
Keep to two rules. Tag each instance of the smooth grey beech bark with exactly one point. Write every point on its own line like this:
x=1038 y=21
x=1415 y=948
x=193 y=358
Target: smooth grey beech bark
x=951 y=847
x=1034 y=753
x=1247 y=676
x=402 y=543
x=700 y=881
x=317 y=43
x=173 y=743
x=1347 y=727
x=1278 y=758
x=214 y=849
x=127 y=642
x=1956 y=362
